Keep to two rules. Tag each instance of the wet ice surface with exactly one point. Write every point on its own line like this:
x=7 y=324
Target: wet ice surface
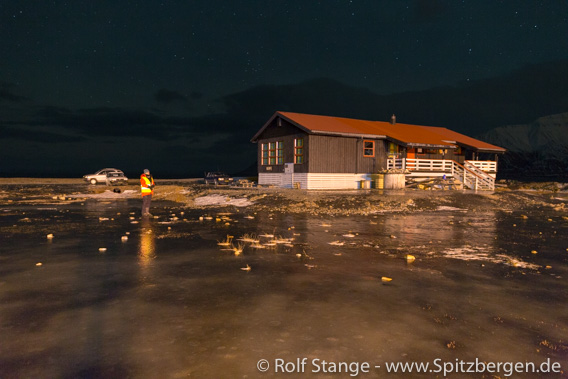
x=170 y=301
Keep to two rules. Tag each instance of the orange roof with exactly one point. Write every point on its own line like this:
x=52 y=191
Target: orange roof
x=450 y=135
x=417 y=135
x=333 y=124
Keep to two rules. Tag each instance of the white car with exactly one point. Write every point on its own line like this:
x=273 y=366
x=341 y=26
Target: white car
x=114 y=176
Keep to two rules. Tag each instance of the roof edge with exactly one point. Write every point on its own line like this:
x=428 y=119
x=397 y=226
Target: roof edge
x=255 y=137
x=497 y=149
x=353 y=135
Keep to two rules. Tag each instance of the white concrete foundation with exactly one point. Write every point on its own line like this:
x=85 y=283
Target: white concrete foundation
x=314 y=180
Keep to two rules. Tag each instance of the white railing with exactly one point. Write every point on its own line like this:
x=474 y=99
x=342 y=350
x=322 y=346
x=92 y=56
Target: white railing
x=487 y=166
x=473 y=174
x=429 y=165
x=420 y=164
x=396 y=163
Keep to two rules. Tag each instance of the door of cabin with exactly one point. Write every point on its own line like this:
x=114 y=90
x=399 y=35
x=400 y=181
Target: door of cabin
x=288 y=178
x=411 y=153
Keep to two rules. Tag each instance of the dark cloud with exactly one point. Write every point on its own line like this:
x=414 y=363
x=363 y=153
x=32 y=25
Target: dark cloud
x=111 y=122
x=7 y=93
x=119 y=122
x=165 y=96
x=50 y=112
x=36 y=135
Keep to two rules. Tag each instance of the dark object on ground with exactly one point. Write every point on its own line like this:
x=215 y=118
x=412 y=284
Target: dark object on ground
x=217 y=178
x=116 y=190
x=244 y=183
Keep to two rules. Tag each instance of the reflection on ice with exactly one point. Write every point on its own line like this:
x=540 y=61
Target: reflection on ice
x=147 y=247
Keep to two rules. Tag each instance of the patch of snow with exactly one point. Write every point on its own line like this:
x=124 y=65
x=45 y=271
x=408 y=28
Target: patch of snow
x=108 y=195
x=448 y=208
x=221 y=200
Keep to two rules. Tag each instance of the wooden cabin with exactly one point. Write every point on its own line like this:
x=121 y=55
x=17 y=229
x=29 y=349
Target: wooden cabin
x=321 y=152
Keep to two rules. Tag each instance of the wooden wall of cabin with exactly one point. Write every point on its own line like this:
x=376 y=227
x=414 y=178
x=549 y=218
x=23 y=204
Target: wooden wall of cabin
x=331 y=154
x=287 y=153
x=281 y=130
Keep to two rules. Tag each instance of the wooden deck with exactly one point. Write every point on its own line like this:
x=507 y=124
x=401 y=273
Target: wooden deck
x=475 y=175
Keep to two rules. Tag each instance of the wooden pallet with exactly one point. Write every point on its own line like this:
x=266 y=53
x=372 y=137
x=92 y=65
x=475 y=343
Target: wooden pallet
x=434 y=184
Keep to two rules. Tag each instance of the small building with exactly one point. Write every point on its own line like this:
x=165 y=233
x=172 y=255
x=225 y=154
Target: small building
x=324 y=152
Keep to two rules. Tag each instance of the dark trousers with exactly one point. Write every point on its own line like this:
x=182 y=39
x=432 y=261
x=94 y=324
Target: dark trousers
x=146 y=200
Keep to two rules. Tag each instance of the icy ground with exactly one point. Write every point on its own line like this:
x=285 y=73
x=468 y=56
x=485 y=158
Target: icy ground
x=207 y=289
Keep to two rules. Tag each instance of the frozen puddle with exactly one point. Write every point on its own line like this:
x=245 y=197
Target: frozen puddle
x=468 y=253
x=222 y=200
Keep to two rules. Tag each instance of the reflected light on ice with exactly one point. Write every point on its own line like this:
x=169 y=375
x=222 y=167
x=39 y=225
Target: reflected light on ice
x=470 y=253
x=147 y=249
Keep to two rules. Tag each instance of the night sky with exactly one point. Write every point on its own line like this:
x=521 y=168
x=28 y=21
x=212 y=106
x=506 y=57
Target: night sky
x=180 y=87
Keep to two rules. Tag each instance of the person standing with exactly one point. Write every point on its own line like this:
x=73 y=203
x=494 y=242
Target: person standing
x=147 y=190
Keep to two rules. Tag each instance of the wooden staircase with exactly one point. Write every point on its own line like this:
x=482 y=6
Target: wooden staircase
x=472 y=177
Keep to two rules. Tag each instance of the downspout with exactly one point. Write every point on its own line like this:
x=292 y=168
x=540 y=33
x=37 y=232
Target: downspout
x=357 y=147
x=375 y=157
x=496 y=164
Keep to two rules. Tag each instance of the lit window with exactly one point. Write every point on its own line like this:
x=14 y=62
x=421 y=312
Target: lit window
x=368 y=148
x=299 y=150
x=279 y=155
x=264 y=154
x=271 y=153
x=393 y=148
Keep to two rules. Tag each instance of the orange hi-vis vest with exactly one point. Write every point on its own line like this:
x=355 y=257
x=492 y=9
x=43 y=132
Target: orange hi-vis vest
x=146 y=185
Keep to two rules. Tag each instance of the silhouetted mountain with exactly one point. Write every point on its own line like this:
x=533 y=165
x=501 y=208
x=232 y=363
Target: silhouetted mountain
x=538 y=149
x=471 y=108
x=250 y=171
